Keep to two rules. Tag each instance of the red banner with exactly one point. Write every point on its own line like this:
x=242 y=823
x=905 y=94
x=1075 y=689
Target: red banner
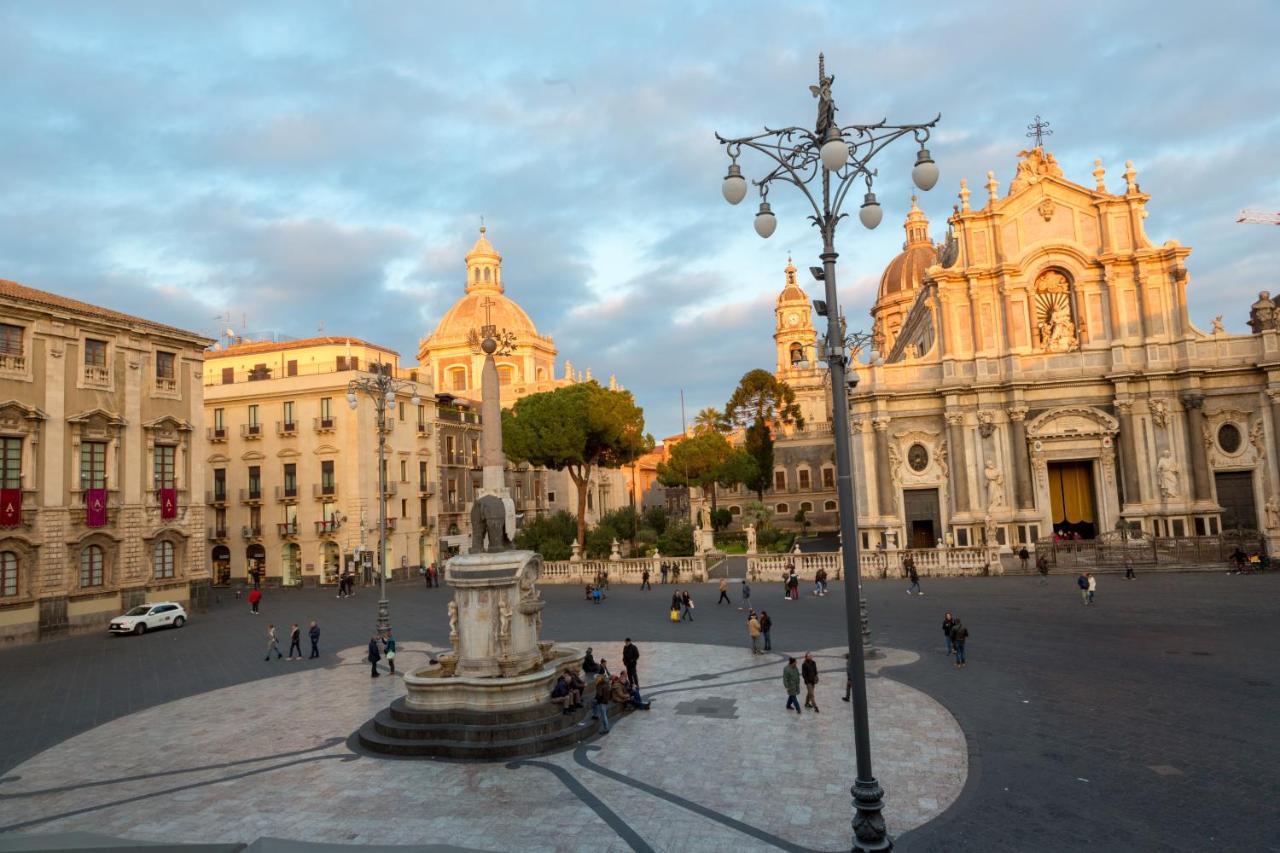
x=168 y=503
x=95 y=504
x=10 y=507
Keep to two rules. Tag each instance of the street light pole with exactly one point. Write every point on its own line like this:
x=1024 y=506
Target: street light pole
x=803 y=158
x=383 y=388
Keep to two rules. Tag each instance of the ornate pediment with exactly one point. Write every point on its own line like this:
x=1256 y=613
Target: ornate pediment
x=288 y=453
x=218 y=459
x=19 y=417
x=168 y=423
x=97 y=418
x=1071 y=422
x=253 y=456
x=326 y=450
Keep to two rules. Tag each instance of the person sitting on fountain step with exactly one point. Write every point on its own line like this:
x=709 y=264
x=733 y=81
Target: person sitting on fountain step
x=589 y=665
x=564 y=695
x=577 y=685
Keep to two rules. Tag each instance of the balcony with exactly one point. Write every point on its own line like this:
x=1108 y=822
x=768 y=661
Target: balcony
x=323 y=424
x=389 y=424
x=13 y=363
x=250 y=431
x=96 y=374
x=391 y=525
x=215 y=497
x=167 y=383
x=449 y=506
x=216 y=435
x=286 y=428
x=426 y=489
x=287 y=494
x=251 y=531
x=424 y=430
x=287 y=529
x=217 y=534
x=251 y=495
x=324 y=491
x=327 y=528
x=390 y=488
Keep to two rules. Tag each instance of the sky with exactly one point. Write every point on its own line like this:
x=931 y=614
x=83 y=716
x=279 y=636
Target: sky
x=295 y=167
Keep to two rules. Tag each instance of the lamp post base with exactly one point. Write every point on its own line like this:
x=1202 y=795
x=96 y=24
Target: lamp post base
x=869 y=832
x=384 y=617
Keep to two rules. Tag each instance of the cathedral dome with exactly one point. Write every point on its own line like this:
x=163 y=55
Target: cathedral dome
x=905 y=272
x=485 y=300
x=792 y=292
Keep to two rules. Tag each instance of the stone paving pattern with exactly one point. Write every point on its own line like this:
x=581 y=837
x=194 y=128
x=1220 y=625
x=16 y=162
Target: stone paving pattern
x=1146 y=722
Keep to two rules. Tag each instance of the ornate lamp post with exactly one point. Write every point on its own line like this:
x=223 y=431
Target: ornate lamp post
x=382 y=387
x=824 y=164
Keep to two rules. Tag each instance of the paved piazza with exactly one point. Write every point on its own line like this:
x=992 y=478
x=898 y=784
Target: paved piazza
x=1145 y=723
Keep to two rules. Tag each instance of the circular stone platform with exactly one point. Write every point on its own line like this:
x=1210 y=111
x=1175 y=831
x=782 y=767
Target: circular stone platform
x=716 y=765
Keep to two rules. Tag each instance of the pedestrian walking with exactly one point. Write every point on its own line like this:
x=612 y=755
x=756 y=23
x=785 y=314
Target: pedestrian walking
x=374 y=656
x=675 y=606
x=820 y=582
x=687 y=601
x=314 y=633
x=809 y=672
x=1024 y=555
x=1083 y=583
x=959 y=635
x=389 y=647
x=255 y=597
x=1093 y=587
x=746 y=595
x=793 y=585
x=1042 y=566
x=644 y=580
x=724 y=593
x=273 y=643
x=295 y=642
x=909 y=563
x=1128 y=568
x=663 y=570
x=766 y=625
x=630 y=658
x=753 y=631
x=600 y=708
x=948 y=622
x=791 y=682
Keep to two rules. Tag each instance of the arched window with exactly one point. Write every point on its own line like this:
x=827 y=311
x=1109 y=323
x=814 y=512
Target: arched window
x=91 y=561
x=162 y=560
x=797 y=353
x=806 y=506
x=782 y=508
x=829 y=506
x=476 y=275
x=735 y=510
x=8 y=573
x=486 y=274
x=541 y=374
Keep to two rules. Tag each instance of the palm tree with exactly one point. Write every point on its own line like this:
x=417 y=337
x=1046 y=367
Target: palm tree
x=709 y=419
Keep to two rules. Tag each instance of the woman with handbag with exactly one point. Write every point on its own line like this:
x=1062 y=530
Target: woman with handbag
x=389 y=647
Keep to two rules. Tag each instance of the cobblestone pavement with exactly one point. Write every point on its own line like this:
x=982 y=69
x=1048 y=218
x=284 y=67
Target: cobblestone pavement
x=669 y=778
x=1144 y=722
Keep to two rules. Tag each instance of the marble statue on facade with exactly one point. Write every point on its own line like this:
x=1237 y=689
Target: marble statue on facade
x=1273 y=513
x=995 y=484
x=751 y=538
x=1167 y=471
x=1262 y=314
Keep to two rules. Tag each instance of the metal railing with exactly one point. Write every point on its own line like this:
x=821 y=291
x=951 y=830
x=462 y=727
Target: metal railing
x=251 y=495
x=249 y=431
x=323 y=491
x=216 y=434
x=286 y=427
x=287 y=493
x=323 y=424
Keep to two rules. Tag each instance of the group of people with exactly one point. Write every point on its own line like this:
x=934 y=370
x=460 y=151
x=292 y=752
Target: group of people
x=758 y=627
x=1247 y=564
x=295 y=640
x=430 y=574
x=671 y=570
x=791 y=584
x=346 y=584
x=388 y=650
x=681 y=606
x=595 y=592
x=792 y=676
x=1088 y=585
x=602 y=687
x=956 y=634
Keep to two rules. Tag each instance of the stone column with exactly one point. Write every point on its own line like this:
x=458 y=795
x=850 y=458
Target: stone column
x=1128 y=453
x=1275 y=423
x=1193 y=413
x=959 y=464
x=1022 y=494
x=884 y=477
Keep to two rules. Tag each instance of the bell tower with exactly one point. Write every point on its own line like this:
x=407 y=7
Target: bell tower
x=793 y=331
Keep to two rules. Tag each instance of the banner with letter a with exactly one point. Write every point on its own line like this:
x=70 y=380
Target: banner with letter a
x=95 y=503
x=10 y=507
x=168 y=503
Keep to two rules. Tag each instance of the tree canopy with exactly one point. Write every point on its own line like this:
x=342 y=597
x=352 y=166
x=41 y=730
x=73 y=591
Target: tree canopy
x=706 y=460
x=575 y=429
x=759 y=402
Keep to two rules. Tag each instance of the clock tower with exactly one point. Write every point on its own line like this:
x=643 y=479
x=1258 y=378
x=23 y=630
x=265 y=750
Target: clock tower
x=793 y=332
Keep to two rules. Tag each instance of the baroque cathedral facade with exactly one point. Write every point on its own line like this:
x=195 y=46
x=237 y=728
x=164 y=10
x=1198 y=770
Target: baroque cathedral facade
x=1049 y=381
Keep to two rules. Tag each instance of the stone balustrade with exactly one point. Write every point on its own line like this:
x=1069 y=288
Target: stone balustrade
x=693 y=569
x=930 y=562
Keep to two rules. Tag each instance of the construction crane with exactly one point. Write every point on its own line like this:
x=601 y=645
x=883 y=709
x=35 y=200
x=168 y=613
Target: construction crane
x=1259 y=217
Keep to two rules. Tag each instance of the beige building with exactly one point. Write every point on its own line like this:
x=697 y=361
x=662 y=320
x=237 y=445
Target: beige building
x=101 y=480
x=526 y=363
x=293 y=470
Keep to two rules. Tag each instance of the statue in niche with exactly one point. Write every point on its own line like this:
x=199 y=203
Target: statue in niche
x=504 y=624
x=1167 y=471
x=995 y=484
x=1054 y=327
x=704 y=517
x=453 y=623
x=1273 y=513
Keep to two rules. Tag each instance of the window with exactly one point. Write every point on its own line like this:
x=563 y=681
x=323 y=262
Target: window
x=326 y=477
x=355 y=362
x=475 y=451
x=8 y=573
x=10 y=344
x=551 y=497
x=735 y=510
x=288 y=414
x=782 y=509
x=10 y=463
x=422 y=416
x=290 y=480
x=805 y=506
x=291 y=368
x=404 y=507
x=220 y=421
x=449 y=449
x=422 y=474
x=326 y=411
x=404 y=471
x=779 y=480
x=220 y=521
x=255 y=482
x=91 y=560
x=422 y=510
x=829 y=506
x=165 y=362
x=400 y=407
x=162 y=561
x=506 y=374
x=342 y=362
x=228 y=375
x=458 y=378
x=828 y=478
x=253 y=418
x=93 y=465
x=164 y=475
x=95 y=353
x=803 y=475
x=255 y=519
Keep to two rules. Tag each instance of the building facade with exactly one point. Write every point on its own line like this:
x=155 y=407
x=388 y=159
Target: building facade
x=101 y=481
x=293 y=470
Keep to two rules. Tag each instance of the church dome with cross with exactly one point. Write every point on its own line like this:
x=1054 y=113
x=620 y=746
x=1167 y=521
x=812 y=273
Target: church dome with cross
x=526 y=361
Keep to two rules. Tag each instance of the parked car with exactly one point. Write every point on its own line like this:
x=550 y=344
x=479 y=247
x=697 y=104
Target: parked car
x=144 y=617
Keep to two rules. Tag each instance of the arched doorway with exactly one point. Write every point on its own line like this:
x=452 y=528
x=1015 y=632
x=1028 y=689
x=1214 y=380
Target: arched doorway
x=331 y=561
x=255 y=562
x=291 y=564
x=221 y=561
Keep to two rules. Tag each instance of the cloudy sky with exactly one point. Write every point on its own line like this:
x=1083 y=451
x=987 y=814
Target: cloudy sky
x=300 y=164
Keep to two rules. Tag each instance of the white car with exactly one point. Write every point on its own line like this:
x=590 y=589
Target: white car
x=144 y=617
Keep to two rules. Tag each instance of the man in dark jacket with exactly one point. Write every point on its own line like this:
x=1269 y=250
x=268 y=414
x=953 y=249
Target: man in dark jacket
x=959 y=634
x=910 y=564
x=791 y=683
x=809 y=672
x=374 y=656
x=630 y=656
x=314 y=632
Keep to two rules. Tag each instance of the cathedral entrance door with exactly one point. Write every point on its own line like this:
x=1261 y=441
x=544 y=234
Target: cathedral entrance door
x=1071 y=499
x=922 y=517
x=1235 y=496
